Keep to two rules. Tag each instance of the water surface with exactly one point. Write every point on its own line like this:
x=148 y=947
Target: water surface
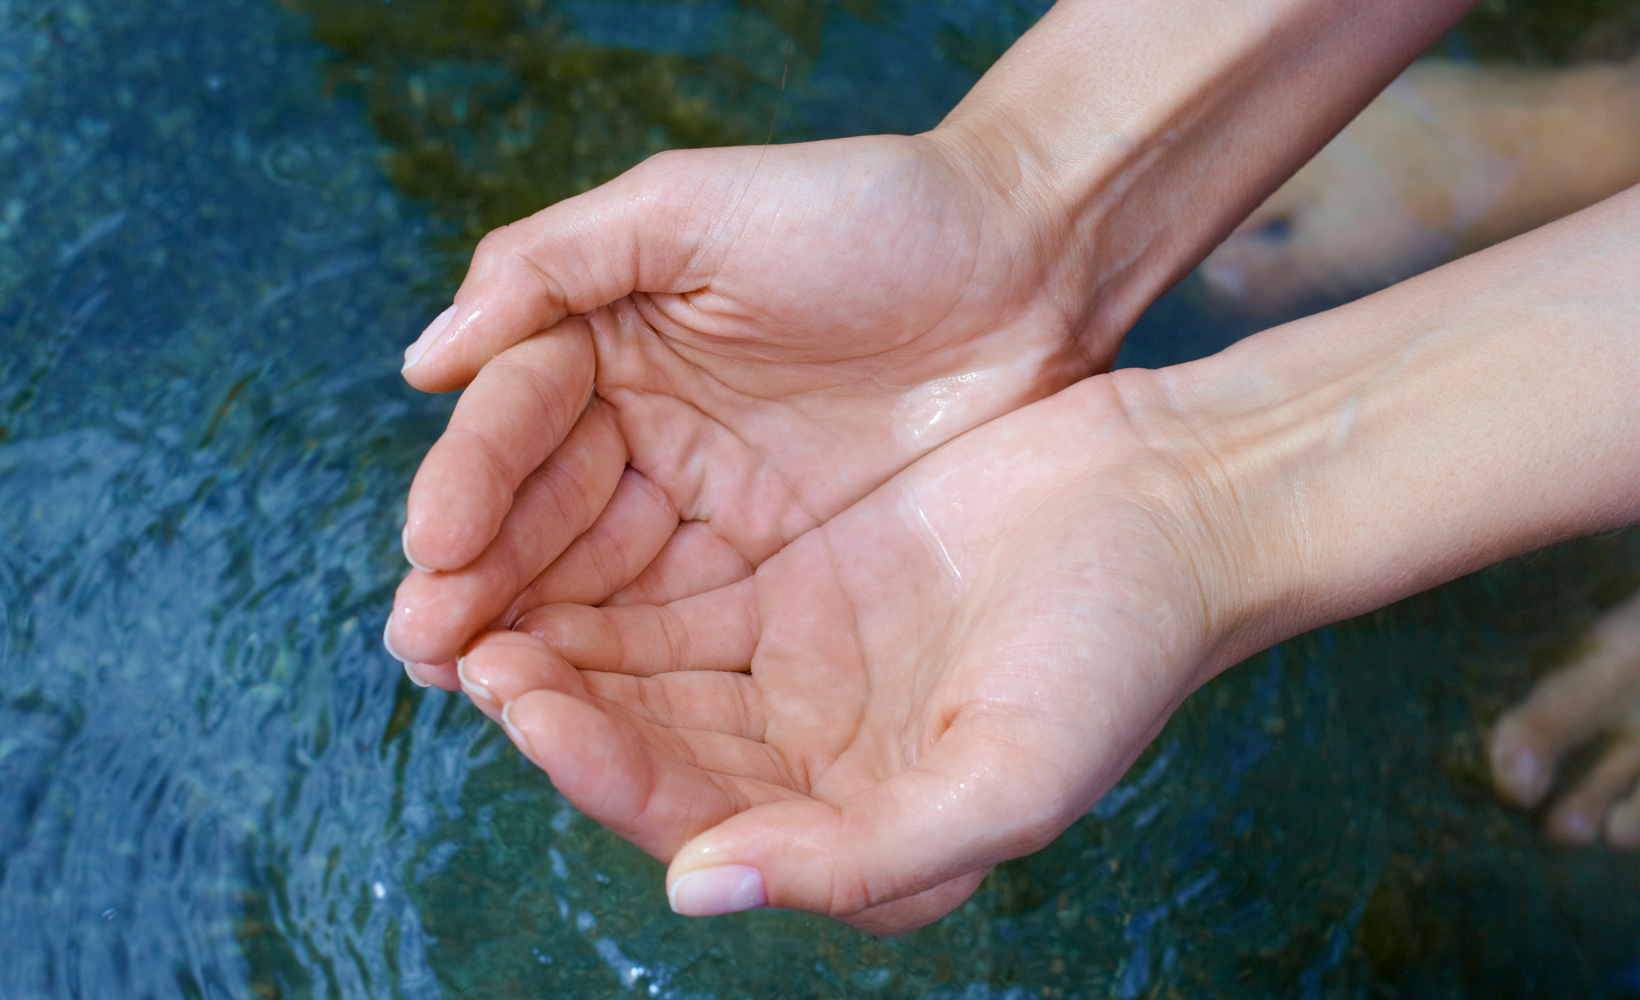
x=220 y=222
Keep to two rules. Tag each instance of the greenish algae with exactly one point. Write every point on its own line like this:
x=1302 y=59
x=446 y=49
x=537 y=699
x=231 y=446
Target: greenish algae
x=1430 y=887
x=1548 y=32
x=494 y=109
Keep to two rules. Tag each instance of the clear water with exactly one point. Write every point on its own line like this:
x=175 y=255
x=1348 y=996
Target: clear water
x=214 y=784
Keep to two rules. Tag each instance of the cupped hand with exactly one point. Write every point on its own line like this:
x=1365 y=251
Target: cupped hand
x=943 y=676
x=766 y=335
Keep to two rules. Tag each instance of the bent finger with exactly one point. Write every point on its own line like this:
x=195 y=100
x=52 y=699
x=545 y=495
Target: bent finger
x=634 y=233
x=633 y=527
x=704 y=700
x=434 y=614
x=1579 y=816
x=694 y=560
x=518 y=410
x=610 y=766
x=717 y=630
x=966 y=806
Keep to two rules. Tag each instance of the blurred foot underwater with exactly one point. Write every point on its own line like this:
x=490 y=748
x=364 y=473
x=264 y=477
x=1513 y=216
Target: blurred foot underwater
x=1450 y=159
x=1595 y=697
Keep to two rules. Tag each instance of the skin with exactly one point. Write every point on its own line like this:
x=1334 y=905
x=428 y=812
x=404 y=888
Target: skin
x=1450 y=159
x=785 y=694
x=953 y=669
x=1453 y=158
x=772 y=334
x=1595 y=696
x=853 y=718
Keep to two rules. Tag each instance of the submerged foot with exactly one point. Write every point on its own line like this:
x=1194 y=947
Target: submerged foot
x=1596 y=697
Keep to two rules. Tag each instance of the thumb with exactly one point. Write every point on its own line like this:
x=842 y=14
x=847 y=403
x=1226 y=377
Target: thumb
x=639 y=232
x=889 y=858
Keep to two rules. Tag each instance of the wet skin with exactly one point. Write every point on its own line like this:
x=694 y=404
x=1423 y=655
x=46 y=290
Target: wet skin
x=734 y=412
x=921 y=687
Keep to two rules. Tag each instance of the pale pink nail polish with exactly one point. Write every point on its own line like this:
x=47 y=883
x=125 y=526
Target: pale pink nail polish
x=475 y=690
x=409 y=667
x=387 y=640
x=1525 y=774
x=713 y=891
x=404 y=543
x=517 y=734
x=414 y=352
x=1576 y=828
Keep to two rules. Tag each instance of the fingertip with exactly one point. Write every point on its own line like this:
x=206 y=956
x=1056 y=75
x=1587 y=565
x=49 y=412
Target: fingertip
x=1571 y=826
x=520 y=738
x=1519 y=771
x=581 y=635
x=438 y=359
x=793 y=846
x=792 y=855
x=710 y=892
x=584 y=751
x=458 y=502
x=420 y=674
x=429 y=336
x=503 y=666
x=476 y=689
x=1623 y=826
x=404 y=544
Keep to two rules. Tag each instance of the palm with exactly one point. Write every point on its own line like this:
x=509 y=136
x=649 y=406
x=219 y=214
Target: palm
x=755 y=385
x=926 y=661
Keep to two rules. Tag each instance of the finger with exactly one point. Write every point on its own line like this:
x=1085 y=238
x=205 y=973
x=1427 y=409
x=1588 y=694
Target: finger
x=1623 y=823
x=1579 y=816
x=517 y=412
x=971 y=802
x=693 y=561
x=439 y=675
x=713 y=631
x=434 y=614
x=901 y=915
x=640 y=231
x=607 y=763
x=643 y=702
x=1567 y=708
x=706 y=700
x=634 y=526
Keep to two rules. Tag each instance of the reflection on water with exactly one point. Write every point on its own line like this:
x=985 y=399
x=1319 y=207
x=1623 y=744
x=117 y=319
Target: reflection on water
x=214 y=784
x=200 y=282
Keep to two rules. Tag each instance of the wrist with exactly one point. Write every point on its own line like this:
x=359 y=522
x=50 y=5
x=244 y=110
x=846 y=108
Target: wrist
x=1132 y=135
x=1356 y=457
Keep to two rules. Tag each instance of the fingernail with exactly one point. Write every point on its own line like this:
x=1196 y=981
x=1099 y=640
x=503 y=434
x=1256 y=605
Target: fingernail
x=712 y=891
x=1623 y=826
x=1523 y=773
x=387 y=640
x=413 y=353
x=404 y=543
x=474 y=689
x=1575 y=828
x=409 y=668
x=517 y=734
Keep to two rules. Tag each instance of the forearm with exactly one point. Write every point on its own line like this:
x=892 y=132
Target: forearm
x=1137 y=133
x=1472 y=414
